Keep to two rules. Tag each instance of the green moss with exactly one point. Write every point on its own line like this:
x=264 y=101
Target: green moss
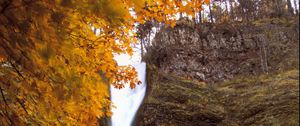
x=268 y=99
x=263 y=100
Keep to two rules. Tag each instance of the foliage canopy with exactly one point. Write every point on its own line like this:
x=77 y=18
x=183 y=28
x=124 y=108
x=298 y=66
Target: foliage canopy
x=54 y=70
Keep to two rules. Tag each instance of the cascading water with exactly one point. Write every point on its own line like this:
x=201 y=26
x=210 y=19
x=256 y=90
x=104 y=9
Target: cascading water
x=126 y=100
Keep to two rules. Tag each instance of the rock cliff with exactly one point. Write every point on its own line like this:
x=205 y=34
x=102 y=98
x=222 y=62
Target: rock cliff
x=214 y=53
x=223 y=75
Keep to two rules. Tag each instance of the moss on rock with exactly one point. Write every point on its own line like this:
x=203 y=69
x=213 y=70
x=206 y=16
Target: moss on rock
x=256 y=100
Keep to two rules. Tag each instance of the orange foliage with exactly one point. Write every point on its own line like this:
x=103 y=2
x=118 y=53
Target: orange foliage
x=55 y=71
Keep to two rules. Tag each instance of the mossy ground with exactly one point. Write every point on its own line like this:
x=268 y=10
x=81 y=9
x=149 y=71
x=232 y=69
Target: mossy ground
x=271 y=99
x=261 y=100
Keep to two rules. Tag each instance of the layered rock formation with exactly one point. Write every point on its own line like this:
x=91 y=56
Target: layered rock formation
x=223 y=75
x=214 y=53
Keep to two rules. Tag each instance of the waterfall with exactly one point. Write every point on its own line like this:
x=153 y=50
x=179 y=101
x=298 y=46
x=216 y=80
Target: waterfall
x=126 y=100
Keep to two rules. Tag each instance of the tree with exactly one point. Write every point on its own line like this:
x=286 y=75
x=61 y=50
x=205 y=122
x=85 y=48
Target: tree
x=232 y=15
x=210 y=13
x=296 y=4
x=54 y=70
x=200 y=17
x=290 y=8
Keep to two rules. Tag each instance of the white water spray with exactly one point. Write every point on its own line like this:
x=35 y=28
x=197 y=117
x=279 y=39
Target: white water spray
x=126 y=100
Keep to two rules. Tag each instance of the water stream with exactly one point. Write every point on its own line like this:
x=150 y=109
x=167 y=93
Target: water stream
x=127 y=101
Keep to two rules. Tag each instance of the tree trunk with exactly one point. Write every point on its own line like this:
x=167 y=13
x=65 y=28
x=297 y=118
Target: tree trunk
x=279 y=8
x=210 y=13
x=231 y=10
x=296 y=7
x=180 y=15
x=290 y=8
x=226 y=7
x=200 y=17
x=95 y=31
x=142 y=48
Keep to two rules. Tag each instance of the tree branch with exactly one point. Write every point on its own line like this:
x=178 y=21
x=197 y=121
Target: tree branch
x=3 y=97
x=16 y=69
x=22 y=105
x=6 y=104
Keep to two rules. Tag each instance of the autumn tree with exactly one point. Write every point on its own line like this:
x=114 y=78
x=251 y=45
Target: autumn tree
x=55 y=71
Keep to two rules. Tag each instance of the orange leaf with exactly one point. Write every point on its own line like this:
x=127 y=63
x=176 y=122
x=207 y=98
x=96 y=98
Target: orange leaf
x=207 y=1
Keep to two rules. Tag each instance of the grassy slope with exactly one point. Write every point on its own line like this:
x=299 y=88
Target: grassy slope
x=262 y=100
x=256 y=100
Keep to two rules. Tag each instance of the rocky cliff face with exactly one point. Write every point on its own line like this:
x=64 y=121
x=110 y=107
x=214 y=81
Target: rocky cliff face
x=214 y=53
x=224 y=75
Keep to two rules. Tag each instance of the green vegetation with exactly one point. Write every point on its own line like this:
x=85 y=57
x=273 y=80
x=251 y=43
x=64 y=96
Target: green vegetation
x=256 y=100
